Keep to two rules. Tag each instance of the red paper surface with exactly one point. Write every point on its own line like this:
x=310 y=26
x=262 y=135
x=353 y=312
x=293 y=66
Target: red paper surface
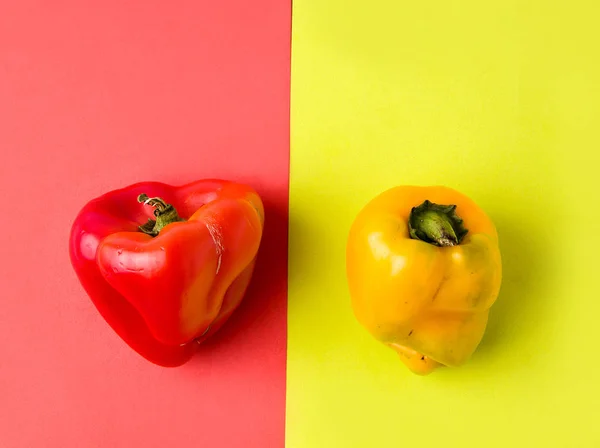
x=96 y=96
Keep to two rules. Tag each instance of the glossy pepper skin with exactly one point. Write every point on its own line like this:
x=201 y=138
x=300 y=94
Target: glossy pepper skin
x=166 y=266
x=423 y=269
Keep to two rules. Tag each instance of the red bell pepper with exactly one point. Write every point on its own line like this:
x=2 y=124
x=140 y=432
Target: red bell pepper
x=167 y=266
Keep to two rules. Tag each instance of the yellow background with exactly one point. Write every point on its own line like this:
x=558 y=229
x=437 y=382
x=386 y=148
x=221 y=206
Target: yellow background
x=499 y=100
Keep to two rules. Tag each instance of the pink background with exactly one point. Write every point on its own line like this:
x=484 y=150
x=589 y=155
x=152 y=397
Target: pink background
x=98 y=95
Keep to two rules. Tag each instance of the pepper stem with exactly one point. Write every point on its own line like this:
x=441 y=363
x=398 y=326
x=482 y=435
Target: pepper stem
x=436 y=224
x=165 y=214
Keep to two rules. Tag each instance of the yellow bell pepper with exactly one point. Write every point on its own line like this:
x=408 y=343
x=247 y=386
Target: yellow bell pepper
x=423 y=268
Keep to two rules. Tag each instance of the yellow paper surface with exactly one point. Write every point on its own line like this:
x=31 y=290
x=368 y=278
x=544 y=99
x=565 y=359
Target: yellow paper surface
x=499 y=100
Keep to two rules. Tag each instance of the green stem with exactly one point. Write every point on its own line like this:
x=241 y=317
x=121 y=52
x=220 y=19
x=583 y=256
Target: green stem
x=436 y=224
x=165 y=214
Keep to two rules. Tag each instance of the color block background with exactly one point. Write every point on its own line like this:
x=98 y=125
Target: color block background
x=496 y=99
x=98 y=95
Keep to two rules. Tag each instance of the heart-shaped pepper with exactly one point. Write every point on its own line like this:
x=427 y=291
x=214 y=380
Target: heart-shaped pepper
x=167 y=266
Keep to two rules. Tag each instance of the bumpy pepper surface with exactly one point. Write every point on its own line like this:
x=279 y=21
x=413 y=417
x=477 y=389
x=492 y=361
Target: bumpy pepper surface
x=167 y=266
x=423 y=268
